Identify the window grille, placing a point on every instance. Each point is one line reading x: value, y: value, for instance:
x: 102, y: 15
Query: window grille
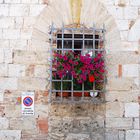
x: 80, y: 40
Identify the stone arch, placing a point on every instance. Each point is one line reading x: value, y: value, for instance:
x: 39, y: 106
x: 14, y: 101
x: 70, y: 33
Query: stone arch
x: 89, y: 12
x: 134, y: 33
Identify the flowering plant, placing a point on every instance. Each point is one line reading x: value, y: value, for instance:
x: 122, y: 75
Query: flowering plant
x: 83, y: 68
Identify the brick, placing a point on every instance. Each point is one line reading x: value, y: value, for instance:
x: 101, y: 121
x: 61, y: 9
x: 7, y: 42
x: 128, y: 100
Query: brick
x: 3, y: 69
x: 135, y: 2
x: 131, y: 110
x: 43, y: 125
x: 4, y: 9
x: 130, y: 12
x: 132, y: 135
x: 4, y: 123
x: 16, y: 70
x: 8, y: 83
x: 12, y: 1
x: 19, y: 10
x: 11, y: 33
x: 10, y: 134
x: 119, y: 70
x: 114, y: 109
x: 6, y: 22
x: 119, y: 123
x: 35, y: 10
x: 131, y: 70
x: 32, y: 84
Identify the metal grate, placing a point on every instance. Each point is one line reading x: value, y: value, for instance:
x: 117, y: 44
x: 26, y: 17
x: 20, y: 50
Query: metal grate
x: 81, y: 40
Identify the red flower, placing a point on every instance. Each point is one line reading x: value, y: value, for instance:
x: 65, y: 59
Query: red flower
x: 91, y: 78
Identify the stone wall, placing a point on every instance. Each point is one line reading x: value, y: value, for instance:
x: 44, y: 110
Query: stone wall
x: 24, y: 53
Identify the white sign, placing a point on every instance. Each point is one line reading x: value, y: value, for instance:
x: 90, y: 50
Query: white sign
x: 27, y: 102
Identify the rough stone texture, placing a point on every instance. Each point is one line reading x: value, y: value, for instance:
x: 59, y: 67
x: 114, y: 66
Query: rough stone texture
x: 10, y: 134
x: 24, y: 63
x: 132, y: 134
x: 132, y: 109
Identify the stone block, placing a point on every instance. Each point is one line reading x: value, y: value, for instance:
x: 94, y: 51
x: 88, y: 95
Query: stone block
x: 19, y: 10
x: 114, y: 109
x: 122, y: 24
x: 29, y: 1
x: 79, y: 136
x: 7, y: 22
x: 1, y: 96
x: 30, y: 57
x: 10, y: 134
x: 18, y: 22
x: 32, y: 83
x: 1, y: 55
x: 122, y: 96
x: 136, y: 123
x: 116, y: 12
x: 8, y: 83
x: 15, y: 70
x: 26, y: 33
x: 4, y: 123
x: 122, y: 135
x: 29, y: 22
x: 130, y: 70
x: 119, y: 123
x: 12, y: 1
x: 111, y: 134
x: 11, y: 34
x: 35, y: 10
x: 8, y: 55
x: 41, y: 71
x: 131, y: 110
x: 130, y: 12
x: 114, y: 58
x: 124, y: 35
x: 133, y: 135
x: 18, y: 44
x: 4, y: 43
x: 4, y: 10
x: 119, y: 84
x: 3, y: 69
x: 43, y: 125
x: 25, y: 123
x: 135, y: 2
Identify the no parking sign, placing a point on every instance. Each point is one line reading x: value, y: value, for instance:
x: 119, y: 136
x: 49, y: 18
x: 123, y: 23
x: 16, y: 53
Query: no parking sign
x: 28, y: 103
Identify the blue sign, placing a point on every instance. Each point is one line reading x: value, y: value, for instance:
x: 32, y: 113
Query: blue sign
x: 27, y: 101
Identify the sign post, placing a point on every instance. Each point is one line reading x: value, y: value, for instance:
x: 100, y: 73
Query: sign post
x: 27, y: 103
